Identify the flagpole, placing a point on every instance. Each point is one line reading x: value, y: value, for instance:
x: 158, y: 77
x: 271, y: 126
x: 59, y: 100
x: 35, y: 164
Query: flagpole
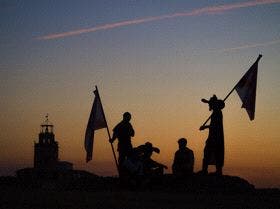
x: 258, y: 59
x: 109, y: 135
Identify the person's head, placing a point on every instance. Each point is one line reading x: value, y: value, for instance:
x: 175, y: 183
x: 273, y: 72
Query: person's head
x: 149, y: 145
x: 182, y: 142
x: 126, y: 116
x: 214, y: 103
x: 148, y: 148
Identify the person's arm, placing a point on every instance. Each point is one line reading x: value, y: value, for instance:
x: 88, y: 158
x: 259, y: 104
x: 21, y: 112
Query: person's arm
x: 174, y: 165
x: 157, y: 150
x: 132, y: 132
x: 192, y: 160
x: 203, y: 127
x: 114, y: 135
x: 113, y: 138
x: 159, y: 164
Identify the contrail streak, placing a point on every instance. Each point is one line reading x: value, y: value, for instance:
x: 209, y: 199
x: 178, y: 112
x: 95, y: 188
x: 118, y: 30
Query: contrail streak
x: 196, y: 12
x: 247, y: 46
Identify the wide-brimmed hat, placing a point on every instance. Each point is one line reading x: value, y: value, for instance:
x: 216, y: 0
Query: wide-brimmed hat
x: 149, y: 146
x: 215, y: 101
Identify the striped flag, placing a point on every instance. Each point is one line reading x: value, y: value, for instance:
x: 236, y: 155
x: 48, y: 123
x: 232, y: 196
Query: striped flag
x: 96, y: 121
x: 246, y: 89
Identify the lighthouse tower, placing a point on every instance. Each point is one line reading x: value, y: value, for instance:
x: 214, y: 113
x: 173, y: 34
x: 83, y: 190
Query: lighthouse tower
x: 46, y: 149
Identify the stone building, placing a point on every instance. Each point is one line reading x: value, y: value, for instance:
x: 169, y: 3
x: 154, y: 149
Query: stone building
x: 46, y: 149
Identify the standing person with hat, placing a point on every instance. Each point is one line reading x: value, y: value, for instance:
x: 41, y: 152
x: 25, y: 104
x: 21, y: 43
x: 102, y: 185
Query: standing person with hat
x: 214, y: 148
x: 183, y: 160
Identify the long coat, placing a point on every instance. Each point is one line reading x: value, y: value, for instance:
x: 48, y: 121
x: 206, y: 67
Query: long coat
x: 214, y: 149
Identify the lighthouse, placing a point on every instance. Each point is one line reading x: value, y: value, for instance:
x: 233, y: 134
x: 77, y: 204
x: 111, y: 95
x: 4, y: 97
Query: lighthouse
x: 46, y: 149
x: 46, y: 161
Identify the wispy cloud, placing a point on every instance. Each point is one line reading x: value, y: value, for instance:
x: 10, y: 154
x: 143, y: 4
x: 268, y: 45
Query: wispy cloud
x: 247, y: 46
x: 196, y: 12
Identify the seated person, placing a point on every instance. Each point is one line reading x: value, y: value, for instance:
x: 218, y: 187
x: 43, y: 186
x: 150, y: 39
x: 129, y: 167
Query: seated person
x: 183, y: 160
x: 150, y: 167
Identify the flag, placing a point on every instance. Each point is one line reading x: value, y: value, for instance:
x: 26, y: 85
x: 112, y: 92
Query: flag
x: 96, y: 121
x: 246, y: 89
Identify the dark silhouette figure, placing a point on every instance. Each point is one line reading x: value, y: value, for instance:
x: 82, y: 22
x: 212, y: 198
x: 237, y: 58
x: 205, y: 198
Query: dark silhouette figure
x: 139, y: 169
x: 214, y: 148
x: 123, y: 132
x: 150, y: 167
x: 183, y: 160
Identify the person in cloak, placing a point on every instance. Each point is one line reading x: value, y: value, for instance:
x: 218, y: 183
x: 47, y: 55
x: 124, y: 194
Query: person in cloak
x: 214, y: 148
x: 123, y: 131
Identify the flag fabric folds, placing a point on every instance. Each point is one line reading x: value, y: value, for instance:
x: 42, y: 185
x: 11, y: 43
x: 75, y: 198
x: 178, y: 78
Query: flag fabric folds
x: 96, y: 121
x: 246, y: 89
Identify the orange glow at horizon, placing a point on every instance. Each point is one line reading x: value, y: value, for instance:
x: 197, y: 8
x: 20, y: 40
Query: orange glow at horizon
x: 246, y: 151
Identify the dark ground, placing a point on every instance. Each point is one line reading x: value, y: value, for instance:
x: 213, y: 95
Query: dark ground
x: 14, y: 198
x: 98, y: 192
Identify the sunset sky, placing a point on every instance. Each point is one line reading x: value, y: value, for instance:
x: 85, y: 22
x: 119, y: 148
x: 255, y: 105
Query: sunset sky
x: 155, y: 59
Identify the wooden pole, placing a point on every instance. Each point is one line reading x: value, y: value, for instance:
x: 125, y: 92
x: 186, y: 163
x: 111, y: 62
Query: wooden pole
x: 109, y: 135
